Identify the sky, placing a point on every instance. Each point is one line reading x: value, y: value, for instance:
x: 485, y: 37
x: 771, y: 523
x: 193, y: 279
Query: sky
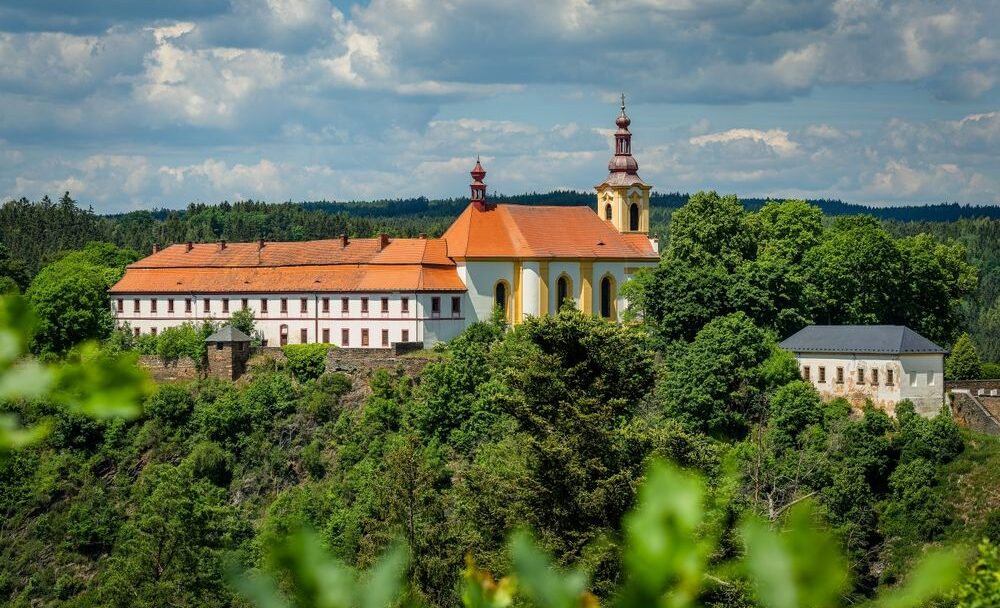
x: 132, y: 105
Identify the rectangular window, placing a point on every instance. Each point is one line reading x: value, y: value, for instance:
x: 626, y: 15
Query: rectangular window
x: 135, y: 332
x: 263, y: 306
x: 930, y: 378
x: 806, y: 375
x: 385, y: 305
x: 364, y: 306
x: 456, y: 306
x: 345, y: 337
x: 284, y: 305
x: 135, y: 305
x: 303, y: 335
x: 822, y: 374
x: 874, y: 376
x: 840, y: 375
x: 364, y: 337
x: 406, y: 335
x: 244, y: 303
x: 326, y: 336
x: 345, y: 305
x: 225, y: 305
x: 187, y: 304
x: 385, y: 337
x: 152, y: 305
x: 405, y: 305
x: 913, y: 378
x: 435, y: 306
x: 889, y: 376
x: 120, y: 305
x: 170, y: 305
x: 326, y: 304
x: 861, y: 375
x: 152, y: 331
x: 303, y: 305
x: 207, y: 304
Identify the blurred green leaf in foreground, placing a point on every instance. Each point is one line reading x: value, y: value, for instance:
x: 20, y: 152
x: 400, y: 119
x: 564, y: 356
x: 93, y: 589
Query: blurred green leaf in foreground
x: 86, y: 380
x: 667, y: 552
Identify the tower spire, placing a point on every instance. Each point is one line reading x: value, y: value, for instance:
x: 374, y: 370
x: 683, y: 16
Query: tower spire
x: 478, y: 188
x: 623, y: 162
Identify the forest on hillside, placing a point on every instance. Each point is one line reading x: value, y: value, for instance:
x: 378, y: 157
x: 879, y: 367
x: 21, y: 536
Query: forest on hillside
x: 523, y: 466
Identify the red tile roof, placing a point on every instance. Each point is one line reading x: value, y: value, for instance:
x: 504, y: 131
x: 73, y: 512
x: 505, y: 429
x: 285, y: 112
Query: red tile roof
x: 522, y: 231
x: 324, y: 266
x: 302, y: 253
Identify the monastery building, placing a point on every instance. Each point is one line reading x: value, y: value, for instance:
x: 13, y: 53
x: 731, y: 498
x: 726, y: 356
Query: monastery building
x: 526, y: 260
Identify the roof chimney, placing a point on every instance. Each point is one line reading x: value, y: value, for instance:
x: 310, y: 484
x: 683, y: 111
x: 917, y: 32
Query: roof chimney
x: 222, y: 244
x: 188, y: 247
x: 343, y: 240
x: 383, y: 241
x: 260, y: 244
x: 156, y: 247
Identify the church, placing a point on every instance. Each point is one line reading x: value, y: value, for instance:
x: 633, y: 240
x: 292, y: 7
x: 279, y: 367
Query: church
x: 375, y: 292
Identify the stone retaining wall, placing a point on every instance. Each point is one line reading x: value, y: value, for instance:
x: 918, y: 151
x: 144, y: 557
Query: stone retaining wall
x: 973, y: 385
x: 976, y: 413
x: 174, y: 371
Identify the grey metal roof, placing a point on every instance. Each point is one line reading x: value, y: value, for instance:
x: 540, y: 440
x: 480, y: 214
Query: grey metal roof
x: 228, y: 334
x: 882, y: 339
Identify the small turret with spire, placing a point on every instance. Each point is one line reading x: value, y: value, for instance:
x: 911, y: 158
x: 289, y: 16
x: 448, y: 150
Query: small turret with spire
x: 478, y: 188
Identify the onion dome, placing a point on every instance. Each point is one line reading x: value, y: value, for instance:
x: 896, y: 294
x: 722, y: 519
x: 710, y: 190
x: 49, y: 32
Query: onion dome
x: 623, y: 161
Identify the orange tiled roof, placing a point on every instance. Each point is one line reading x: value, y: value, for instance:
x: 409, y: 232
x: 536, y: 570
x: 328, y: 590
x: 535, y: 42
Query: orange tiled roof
x: 324, y: 266
x: 303, y: 253
x: 522, y: 231
x: 283, y: 279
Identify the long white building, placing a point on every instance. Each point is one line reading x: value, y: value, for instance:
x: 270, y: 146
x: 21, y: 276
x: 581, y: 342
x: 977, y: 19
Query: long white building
x: 526, y: 260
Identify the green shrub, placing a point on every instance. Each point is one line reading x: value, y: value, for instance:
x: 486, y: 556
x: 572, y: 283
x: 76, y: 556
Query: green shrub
x: 990, y: 371
x: 324, y: 399
x: 171, y: 404
x: 209, y: 461
x: 312, y: 459
x: 963, y: 363
x: 306, y: 361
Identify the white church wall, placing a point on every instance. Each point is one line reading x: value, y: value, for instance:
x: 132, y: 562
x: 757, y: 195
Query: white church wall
x: 480, y: 279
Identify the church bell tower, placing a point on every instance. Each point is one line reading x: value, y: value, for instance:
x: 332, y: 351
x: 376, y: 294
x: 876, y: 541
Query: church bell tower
x: 623, y: 198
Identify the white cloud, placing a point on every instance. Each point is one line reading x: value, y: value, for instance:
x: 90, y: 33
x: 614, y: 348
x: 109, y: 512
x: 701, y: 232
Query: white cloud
x: 776, y: 139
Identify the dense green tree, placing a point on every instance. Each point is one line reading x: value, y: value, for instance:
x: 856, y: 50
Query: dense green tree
x: 711, y: 230
x: 70, y: 296
x: 963, y: 362
x: 717, y: 383
x: 786, y: 230
x: 171, y: 548
x: 856, y: 271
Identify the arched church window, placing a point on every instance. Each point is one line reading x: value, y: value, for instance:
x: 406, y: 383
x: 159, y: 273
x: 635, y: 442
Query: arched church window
x: 607, y: 297
x: 563, y: 290
x: 500, y: 296
x: 633, y: 217
x: 607, y: 212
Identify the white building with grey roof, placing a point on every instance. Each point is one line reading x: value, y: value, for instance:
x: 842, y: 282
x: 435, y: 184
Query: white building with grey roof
x: 881, y: 363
